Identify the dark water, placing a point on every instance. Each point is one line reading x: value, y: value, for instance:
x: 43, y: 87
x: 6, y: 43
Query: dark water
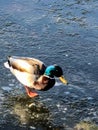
x: 54, y: 31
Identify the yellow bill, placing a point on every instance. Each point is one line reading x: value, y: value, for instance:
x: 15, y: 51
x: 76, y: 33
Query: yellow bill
x: 63, y: 80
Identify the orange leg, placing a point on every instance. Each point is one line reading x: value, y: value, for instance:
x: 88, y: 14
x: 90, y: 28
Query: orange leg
x: 30, y: 93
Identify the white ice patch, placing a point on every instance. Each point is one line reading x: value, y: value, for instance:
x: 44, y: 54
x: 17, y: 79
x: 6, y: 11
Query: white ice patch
x: 7, y: 88
x: 58, y: 83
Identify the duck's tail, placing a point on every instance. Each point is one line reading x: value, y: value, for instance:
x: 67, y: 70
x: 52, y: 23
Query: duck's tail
x: 7, y: 64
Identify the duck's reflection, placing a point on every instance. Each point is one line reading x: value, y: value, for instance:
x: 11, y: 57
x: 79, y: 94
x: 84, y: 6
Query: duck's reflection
x: 30, y: 111
x: 25, y: 113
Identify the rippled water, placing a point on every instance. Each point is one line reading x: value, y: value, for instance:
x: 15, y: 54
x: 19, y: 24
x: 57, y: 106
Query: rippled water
x: 54, y: 31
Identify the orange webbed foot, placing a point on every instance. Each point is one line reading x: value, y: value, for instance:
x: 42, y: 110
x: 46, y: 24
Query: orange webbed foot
x: 30, y: 93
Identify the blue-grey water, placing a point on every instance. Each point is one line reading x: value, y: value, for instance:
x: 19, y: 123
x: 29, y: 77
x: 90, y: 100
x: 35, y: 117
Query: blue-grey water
x: 63, y: 32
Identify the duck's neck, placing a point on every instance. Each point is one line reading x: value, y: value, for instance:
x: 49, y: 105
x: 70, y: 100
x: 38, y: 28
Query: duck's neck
x: 49, y: 71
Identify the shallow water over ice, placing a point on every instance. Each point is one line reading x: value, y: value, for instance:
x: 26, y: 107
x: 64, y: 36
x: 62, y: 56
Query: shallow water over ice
x: 56, y: 32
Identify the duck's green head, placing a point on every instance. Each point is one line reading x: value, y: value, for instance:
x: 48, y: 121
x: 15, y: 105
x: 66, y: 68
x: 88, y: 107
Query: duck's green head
x: 55, y: 70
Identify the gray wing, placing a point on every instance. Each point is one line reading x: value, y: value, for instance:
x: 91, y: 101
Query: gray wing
x: 26, y: 64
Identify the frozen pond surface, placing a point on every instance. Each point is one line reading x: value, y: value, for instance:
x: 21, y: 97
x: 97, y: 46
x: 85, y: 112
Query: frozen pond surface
x: 54, y: 31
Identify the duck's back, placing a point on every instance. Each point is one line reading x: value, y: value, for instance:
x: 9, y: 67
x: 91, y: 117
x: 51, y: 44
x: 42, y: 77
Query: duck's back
x: 26, y: 64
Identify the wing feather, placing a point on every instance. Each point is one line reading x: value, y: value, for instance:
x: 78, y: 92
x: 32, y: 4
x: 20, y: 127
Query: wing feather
x: 26, y: 64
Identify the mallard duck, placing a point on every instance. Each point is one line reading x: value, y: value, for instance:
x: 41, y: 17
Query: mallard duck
x: 33, y: 73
